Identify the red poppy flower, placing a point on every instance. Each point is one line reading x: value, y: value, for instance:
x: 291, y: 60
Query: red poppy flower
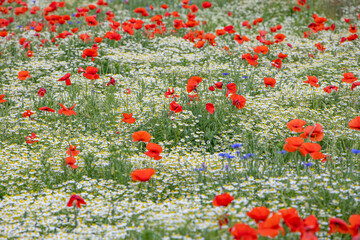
x: 282, y: 56
x: 31, y: 139
x: 349, y: 78
x: 292, y: 144
x: 76, y: 200
x: 355, y: 123
x: 252, y: 60
x: 312, y: 80
x: 128, y: 118
x: 296, y: 125
x: 212, y: 88
x: 112, y: 35
x: 91, y: 20
x: 206, y: 5
x: 276, y: 63
x: 352, y: 28
x: 154, y: 151
x: 71, y: 151
x: 231, y: 89
x: 71, y: 162
x: 292, y: 219
x: 338, y: 225
x: 22, y: 75
x: 259, y: 213
x: 271, y: 226
x: 238, y: 101
x: 316, y: 133
x: 112, y: 82
x: 143, y: 136
x: 142, y: 175
x: 331, y: 88
x: 175, y: 107
x: 320, y: 47
x: 66, y: 78
x: 241, y: 231
x: 269, y: 81
x: 47, y: 109
x: 1, y: 98
x: 141, y: 10
x: 261, y: 49
x: 354, y: 225
x: 354, y: 85
x: 85, y: 37
x: 308, y: 147
x: 28, y: 113
x: 90, y: 52
x: 240, y: 39
x: 210, y: 108
x: 66, y: 111
x: 219, y: 85
x: 279, y: 37
x: 98, y: 39
x: 223, y: 200
x: 170, y: 93
x: 41, y: 92
x: 91, y: 73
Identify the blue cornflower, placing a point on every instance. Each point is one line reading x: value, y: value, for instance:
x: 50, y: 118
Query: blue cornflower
x: 236, y: 145
x: 19, y: 26
x: 78, y: 22
x: 32, y: 28
x: 309, y: 164
x: 355, y: 151
x: 226, y: 155
x: 69, y: 22
x: 282, y: 152
x: 246, y: 156
x: 245, y: 77
x: 73, y: 15
x: 226, y: 74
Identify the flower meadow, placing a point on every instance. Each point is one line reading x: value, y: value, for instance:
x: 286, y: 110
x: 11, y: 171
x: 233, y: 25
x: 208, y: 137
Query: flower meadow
x: 179, y: 119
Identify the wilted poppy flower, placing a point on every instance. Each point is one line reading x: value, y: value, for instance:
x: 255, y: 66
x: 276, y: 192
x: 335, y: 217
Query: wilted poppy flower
x: 312, y: 80
x: 210, y: 108
x: 112, y: 82
x: 47, y: 109
x: 175, y: 107
x: 269, y: 81
x: 315, y: 132
x: 154, y: 151
x: 271, y: 226
x: 223, y: 200
x: 355, y: 123
x: 259, y: 213
x: 338, y: 225
x: 143, y: 136
x: 238, y: 101
x: 66, y: 111
x: 66, y: 78
x: 22, y: 75
x: 128, y: 118
x: 1, y: 98
x: 349, y: 78
x: 331, y: 88
x: 296, y: 125
x: 76, y: 200
x: 292, y: 144
x: 91, y: 73
x: 71, y: 151
x: 242, y: 231
x: 142, y: 175
x: 28, y: 113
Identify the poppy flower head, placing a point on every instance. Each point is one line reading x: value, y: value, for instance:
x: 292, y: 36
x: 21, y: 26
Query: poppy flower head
x: 271, y: 226
x: 71, y: 151
x: 331, y: 88
x: 22, y: 75
x: 355, y: 124
x: 292, y: 144
x: 90, y: 52
x: 291, y: 219
x: 296, y: 125
x: 261, y: 49
x: 238, y: 101
x: 47, y: 109
x: 349, y: 78
x: 67, y: 111
x: 338, y: 225
x: 354, y: 226
x: 259, y: 213
x: 210, y: 108
x: 2, y: 100
x: 154, y: 151
x: 243, y: 231
x: 142, y: 175
x: 219, y: 85
x: 91, y: 73
x: 175, y: 107
x: 76, y: 200
x: 66, y: 78
x: 277, y: 63
x: 314, y: 132
x: 223, y: 200
x: 206, y: 5
x: 269, y: 81
x: 312, y: 80
x: 143, y: 136
x: 41, y: 92
x: 231, y: 89
x: 28, y: 113
x: 309, y: 147
x: 128, y: 118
